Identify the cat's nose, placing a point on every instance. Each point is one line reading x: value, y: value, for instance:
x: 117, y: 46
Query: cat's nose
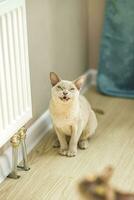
x: 65, y: 93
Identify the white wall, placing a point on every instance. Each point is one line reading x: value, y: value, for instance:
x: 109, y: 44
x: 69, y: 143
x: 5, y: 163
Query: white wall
x: 57, y: 34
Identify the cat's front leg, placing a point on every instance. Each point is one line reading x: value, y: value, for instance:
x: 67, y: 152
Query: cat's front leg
x: 72, y: 151
x: 63, y: 143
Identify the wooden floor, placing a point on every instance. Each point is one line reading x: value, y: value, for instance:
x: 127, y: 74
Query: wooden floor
x: 53, y: 177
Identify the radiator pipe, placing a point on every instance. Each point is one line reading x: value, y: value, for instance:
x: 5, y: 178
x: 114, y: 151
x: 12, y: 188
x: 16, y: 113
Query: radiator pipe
x: 22, y: 135
x: 15, y: 142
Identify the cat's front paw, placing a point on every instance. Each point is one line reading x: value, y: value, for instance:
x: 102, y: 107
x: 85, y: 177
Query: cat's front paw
x: 71, y: 153
x: 63, y: 152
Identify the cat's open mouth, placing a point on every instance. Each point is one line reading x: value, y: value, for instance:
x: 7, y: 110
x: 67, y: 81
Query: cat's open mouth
x: 64, y: 98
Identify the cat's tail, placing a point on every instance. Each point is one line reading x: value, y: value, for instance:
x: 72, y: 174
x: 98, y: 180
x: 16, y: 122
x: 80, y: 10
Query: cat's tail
x: 99, y: 111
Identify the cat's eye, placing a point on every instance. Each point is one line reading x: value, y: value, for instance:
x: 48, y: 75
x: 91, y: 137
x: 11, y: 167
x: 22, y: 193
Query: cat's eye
x: 59, y: 87
x: 72, y: 89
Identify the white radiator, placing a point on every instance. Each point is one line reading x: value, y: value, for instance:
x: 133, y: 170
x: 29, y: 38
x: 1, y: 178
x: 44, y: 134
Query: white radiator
x: 15, y: 92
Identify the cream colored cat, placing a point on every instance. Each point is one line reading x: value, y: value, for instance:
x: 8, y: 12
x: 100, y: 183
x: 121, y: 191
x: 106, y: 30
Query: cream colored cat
x: 71, y: 115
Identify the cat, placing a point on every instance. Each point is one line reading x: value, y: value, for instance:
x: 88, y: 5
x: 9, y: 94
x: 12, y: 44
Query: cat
x: 97, y: 187
x: 71, y: 115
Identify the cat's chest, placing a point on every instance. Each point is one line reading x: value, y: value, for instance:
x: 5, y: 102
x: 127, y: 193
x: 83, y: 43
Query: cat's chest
x: 64, y: 124
x: 64, y: 117
x: 64, y: 121
x: 67, y: 130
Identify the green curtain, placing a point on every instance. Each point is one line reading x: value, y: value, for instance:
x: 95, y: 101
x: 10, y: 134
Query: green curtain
x: 116, y: 65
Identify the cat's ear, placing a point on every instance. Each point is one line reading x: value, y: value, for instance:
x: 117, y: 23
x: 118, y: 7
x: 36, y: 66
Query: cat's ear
x: 54, y: 78
x: 79, y: 82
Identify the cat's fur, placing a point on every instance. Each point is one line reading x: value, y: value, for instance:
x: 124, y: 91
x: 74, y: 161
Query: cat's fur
x: 71, y: 115
x: 97, y: 187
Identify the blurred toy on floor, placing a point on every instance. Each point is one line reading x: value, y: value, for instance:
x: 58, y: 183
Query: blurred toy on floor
x: 97, y: 187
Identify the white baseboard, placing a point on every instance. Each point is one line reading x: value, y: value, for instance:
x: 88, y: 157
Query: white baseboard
x: 36, y: 132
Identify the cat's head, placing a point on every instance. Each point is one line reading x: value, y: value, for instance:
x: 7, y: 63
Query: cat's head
x: 96, y: 187
x: 65, y: 91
